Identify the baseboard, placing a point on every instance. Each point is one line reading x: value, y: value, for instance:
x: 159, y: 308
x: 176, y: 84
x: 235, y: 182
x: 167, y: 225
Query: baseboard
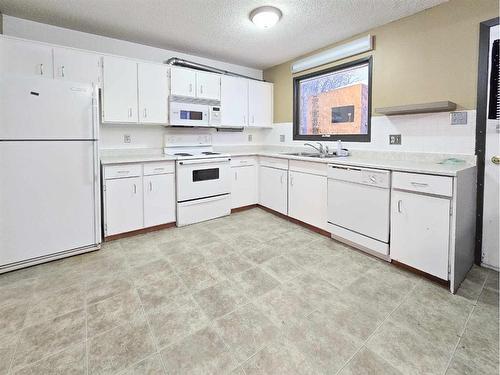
x: 244, y: 208
x: 445, y: 283
x: 138, y: 231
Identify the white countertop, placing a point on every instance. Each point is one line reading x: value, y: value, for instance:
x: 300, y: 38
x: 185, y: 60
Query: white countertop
x: 428, y: 164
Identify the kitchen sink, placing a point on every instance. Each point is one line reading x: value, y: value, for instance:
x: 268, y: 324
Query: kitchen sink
x: 312, y: 155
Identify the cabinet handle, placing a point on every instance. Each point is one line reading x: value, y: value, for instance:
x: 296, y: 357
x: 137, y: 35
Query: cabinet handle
x: 145, y: 112
x: 291, y: 181
x: 190, y: 87
x: 41, y: 69
x: 400, y: 204
x: 150, y: 186
x: 135, y: 189
x: 419, y: 184
x: 62, y: 70
x: 201, y: 89
x: 253, y: 119
x: 244, y: 120
x: 281, y: 179
x: 235, y: 176
x: 130, y: 112
x: 123, y: 172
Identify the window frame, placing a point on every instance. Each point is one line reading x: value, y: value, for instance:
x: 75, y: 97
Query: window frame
x: 333, y: 137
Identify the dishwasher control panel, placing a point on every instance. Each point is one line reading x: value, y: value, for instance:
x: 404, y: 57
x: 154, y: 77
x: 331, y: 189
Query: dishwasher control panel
x: 375, y: 178
x: 365, y: 176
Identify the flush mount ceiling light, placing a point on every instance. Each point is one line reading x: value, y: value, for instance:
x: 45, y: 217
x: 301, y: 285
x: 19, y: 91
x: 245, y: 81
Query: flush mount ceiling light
x: 265, y: 17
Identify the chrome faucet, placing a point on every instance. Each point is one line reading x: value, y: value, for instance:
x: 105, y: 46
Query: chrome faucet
x: 319, y: 148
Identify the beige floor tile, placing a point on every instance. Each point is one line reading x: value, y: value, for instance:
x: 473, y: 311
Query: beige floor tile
x: 282, y: 268
x: 366, y: 362
x: 12, y: 318
x: 51, y: 336
x: 407, y: 351
x: 149, y: 272
x: 57, y: 303
x: 255, y: 282
x: 314, y: 290
x: 201, y: 353
x: 246, y: 330
x: 244, y: 241
x: 201, y: 277
x: 216, y: 250
x: 113, y: 312
x: 149, y: 366
x: 70, y: 361
x: 284, y: 307
x: 492, y: 280
x: 461, y: 366
x: 99, y: 289
x: 340, y: 272
x: 19, y: 292
x: 186, y: 260
x: 168, y: 292
x: 220, y: 299
x: 119, y: 348
x: 232, y: 264
x: 323, y: 343
x: 7, y: 349
x: 170, y: 325
x: 262, y: 253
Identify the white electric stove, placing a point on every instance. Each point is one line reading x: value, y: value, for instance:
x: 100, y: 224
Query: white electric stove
x: 202, y: 180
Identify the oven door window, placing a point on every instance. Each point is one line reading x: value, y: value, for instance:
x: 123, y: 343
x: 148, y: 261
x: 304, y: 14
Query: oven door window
x: 205, y: 174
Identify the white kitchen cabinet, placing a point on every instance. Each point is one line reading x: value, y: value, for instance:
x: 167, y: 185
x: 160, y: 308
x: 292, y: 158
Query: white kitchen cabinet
x: 307, y: 198
x: 420, y: 232
x: 123, y: 205
x: 76, y: 66
x: 260, y: 103
x: 244, y: 187
x: 153, y: 93
x: 208, y: 85
x: 273, y: 188
x: 159, y: 199
x: 119, y: 102
x: 182, y: 82
x: 19, y: 57
x: 234, y: 101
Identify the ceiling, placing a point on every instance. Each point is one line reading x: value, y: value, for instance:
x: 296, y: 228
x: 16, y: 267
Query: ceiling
x: 220, y: 29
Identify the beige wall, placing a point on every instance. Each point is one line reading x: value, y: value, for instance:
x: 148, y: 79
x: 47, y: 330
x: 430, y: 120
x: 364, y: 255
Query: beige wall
x: 427, y: 57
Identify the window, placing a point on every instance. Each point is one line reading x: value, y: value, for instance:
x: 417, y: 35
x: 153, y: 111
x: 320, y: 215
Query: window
x: 334, y: 104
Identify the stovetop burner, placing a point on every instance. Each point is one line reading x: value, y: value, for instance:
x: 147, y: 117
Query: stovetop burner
x: 183, y: 154
x: 210, y: 153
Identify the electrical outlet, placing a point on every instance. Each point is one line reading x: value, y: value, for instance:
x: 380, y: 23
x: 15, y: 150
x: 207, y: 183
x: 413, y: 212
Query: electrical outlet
x: 395, y: 139
x: 127, y: 138
x: 250, y: 137
x: 458, y: 118
x: 282, y: 138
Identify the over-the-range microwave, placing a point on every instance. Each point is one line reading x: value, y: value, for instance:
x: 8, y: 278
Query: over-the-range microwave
x: 186, y: 113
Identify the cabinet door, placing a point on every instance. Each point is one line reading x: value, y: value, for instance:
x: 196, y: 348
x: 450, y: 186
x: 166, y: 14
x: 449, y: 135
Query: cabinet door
x: 208, y: 85
x: 159, y: 199
x: 25, y: 58
x: 153, y: 93
x: 76, y: 66
x: 260, y: 103
x: 244, y: 186
x: 119, y: 90
x: 234, y: 101
x: 307, y: 198
x: 124, y: 206
x: 273, y: 189
x: 420, y: 232
x: 182, y: 82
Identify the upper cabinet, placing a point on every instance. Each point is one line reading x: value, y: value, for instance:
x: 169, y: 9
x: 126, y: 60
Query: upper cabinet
x: 76, y: 66
x: 26, y: 58
x: 260, y: 103
x: 153, y: 93
x: 195, y: 84
x: 119, y: 101
x: 134, y: 92
x: 234, y: 101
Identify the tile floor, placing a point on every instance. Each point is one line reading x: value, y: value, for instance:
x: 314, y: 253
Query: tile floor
x: 246, y: 294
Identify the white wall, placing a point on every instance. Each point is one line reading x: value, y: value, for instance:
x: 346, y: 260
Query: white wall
x: 420, y: 133
x: 22, y: 28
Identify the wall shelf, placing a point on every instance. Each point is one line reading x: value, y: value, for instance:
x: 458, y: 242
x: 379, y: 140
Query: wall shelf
x: 410, y: 109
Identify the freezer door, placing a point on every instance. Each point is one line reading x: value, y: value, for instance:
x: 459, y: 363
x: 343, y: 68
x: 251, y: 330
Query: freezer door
x: 38, y: 108
x: 48, y: 200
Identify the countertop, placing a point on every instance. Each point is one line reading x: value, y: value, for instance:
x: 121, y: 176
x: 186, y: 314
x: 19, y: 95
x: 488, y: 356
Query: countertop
x: 429, y: 164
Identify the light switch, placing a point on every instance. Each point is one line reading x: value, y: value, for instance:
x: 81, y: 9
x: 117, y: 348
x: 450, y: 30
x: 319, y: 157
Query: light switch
x: 127, y: 138
x: 395, y: 139
x: 282, y: 138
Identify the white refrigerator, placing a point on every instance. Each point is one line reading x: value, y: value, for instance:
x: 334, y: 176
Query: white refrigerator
x: 49, y: 171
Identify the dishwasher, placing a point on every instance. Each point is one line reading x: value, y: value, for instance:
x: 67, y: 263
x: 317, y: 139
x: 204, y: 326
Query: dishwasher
x: 359, y: 207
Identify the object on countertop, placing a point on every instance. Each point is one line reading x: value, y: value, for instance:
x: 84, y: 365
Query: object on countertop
x: 451, y: 161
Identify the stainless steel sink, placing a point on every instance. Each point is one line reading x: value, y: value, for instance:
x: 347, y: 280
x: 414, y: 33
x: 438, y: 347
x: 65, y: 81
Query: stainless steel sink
x: 311, y: 155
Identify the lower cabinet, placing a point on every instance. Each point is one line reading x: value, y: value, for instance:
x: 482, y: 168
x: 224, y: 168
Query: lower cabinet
x: 273, y: 189
x: 244, y: 184
x: 138, y: 196
x: 123, y: 205
x: 420, y: 222
x: 159, y: 199
x: 307, y: 198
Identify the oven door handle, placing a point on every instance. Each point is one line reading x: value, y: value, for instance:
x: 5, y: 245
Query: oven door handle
x: 204, y: 161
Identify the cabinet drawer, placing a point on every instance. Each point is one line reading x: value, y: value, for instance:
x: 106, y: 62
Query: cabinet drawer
x: 241, y: 161
x: 122, y: 171
x: 159, y: 168
x: 423, y: 183
x: 274, y: 162
x: 309, y: 167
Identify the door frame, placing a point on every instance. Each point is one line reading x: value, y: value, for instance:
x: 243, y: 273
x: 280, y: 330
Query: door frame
x: 481, y: 118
